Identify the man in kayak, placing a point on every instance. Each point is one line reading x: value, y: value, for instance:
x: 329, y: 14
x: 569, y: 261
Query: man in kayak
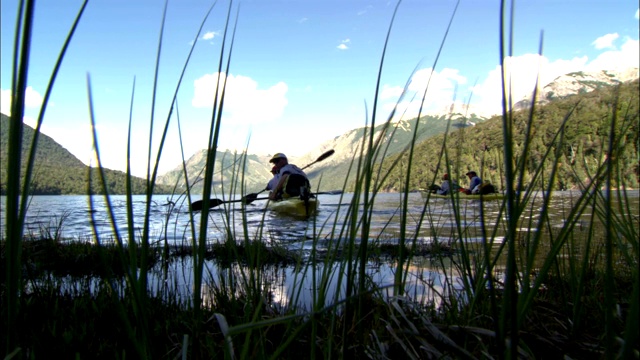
x: 474, y: 185
x: 292, y: 181
x: 444, y: 187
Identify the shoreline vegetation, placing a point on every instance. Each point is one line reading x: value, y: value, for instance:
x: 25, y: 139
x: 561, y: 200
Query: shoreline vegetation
x: 70, y: 286
x: 535, y: 291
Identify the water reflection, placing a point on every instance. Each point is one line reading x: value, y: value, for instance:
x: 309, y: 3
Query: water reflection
x: 438, y: 221
x: 284, y: 287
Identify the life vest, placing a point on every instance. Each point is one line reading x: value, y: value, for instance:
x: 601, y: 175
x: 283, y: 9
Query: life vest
x: 486, y: 188
x: 296, y: 184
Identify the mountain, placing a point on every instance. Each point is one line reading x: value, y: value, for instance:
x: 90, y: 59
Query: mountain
x: 228, y: 166
x: 579, y: 83
x: 580, y: 151
x: 330, y: 174
x: 56, y: 171
x: 333, y: 170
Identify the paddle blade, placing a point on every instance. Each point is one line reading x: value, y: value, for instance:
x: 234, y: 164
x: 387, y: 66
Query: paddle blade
x: 249, y: 198
x: 197, y: 205
x: 325, y: 155
x: 321, y: 157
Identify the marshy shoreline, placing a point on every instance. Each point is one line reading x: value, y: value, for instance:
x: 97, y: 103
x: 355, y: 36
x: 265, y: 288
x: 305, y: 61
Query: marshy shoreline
x: 89, y: 319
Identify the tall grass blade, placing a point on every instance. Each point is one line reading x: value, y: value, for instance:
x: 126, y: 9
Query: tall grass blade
x: 199, y: 244
x: 510, y: 300
x: 14, y: 223
x: 15, y: 215
x: 609, y: 301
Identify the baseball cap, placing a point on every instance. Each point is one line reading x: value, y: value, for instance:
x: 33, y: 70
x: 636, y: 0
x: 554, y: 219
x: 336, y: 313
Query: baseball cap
x: 277, y: 156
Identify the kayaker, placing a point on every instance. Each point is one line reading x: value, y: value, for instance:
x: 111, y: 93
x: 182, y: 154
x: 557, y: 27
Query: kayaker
x: 474, y: 185
x: 292, y: 180
x: 445, y: 186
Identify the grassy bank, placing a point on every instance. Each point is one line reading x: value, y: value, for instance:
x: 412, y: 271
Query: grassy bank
x: 77, y: 302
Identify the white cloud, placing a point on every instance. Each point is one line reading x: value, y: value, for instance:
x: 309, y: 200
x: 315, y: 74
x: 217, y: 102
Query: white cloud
x: 244, y: 102
x: 521, y: 73
x: 303, y: 20
x: 78, y: 139
x: 524, y: 69
x: 441, y: 91
x: 390, y: 92
x: 605, y: 42
x: 210, y: 35
x: 33, y: 99
x: 637, y: 14
x: 343, y: 44
x: 621, y: 59
x: 444, y: 80
x: 114, y: 157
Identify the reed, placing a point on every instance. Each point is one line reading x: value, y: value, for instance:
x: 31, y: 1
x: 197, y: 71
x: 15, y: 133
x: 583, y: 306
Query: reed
x: 515, y: 293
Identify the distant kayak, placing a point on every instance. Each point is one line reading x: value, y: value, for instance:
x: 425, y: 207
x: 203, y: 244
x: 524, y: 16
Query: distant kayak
x: 294, y: 207
x: 461, y: 196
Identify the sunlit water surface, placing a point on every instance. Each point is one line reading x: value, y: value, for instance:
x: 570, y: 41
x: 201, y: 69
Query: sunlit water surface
x: 72, y: 217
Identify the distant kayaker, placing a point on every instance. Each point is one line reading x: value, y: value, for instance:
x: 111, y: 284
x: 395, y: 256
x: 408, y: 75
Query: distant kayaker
x: 292, y: 180
x: 474, y: 185
x: 445, y: 187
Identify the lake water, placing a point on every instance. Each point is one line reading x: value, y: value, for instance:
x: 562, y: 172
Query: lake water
x: 70, y: 217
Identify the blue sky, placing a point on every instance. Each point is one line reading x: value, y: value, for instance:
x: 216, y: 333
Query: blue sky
x: 302, y: 71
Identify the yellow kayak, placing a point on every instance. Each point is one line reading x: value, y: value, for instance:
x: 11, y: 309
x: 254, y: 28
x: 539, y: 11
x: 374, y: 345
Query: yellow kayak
x: 294, y: 206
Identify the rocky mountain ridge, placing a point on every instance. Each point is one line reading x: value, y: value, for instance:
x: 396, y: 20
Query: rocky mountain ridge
x: 578, y: 83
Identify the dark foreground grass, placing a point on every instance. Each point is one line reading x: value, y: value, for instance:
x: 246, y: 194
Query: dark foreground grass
x: 84, y: 320
x: 90, y: 327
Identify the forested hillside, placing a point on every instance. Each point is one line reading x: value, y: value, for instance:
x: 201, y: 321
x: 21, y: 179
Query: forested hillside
x: 57, y: 171
x: 330, y: 174
x: 581, y: 149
